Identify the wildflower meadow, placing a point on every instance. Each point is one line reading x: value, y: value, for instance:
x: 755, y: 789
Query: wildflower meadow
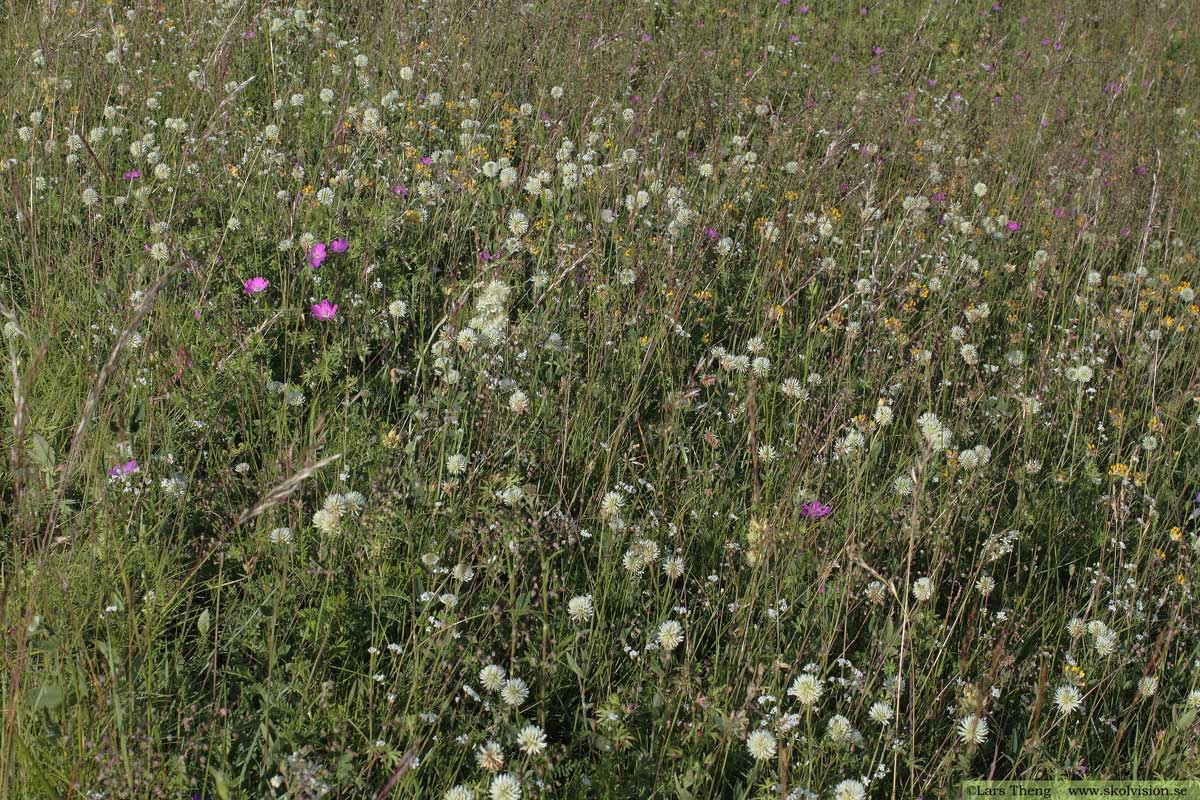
x: 673, y: 399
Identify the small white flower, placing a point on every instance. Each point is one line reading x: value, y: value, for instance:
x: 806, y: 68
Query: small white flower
x: 611, y: 504
x: 518, y: 402
x: 849, y: 790
x: 1080, y: 374
x: 839, y: 730
x: 492, y: 677
x: 518, y: 223
x: 1068, y: 699
x: 883, y: 415
x: 580, y: 608
x: 670, y: 635
x: 881, y: 713
x: 456, y: 464
x: 531, y: 740
x: 973, y: 729
x: 514, y: 692
x: 325, y: 521
x: 761, y: 745
x: 807, y: 689
x: 505, y: 787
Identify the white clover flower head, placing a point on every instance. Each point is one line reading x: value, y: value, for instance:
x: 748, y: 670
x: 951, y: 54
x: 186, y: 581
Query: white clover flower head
x: 669, y: 636
x: 326, y: 522
x: 761, y: 745
x: 839, y: 729
x: 490, y: 757
x: 973, y: 729
x: 505, y: 787
x: 518, y: 223
x: 1080, y: 374
x: 531, y: 740
x: 580, y: 608
x: 514, y: 692
x: 807, y: 689
x: 518, y: 402
x: 881, y: 713
x: 492, y: 677
x: 849, y: 789
x: 611, y: 504
x: 1067, y: 699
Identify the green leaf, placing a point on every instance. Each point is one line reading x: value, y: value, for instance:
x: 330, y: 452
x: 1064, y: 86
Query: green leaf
x: 47, y: 697
x: 220, y: 780
x: 573, y: 665
x: 106, y: 650
x: 203, y: 622
x: 41, y: 452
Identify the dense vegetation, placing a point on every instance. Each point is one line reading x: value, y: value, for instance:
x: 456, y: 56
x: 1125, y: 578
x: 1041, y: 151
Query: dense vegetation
x: 631, y: 399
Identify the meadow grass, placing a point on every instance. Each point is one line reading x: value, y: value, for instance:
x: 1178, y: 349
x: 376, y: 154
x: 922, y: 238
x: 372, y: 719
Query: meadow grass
x: 632, y: 399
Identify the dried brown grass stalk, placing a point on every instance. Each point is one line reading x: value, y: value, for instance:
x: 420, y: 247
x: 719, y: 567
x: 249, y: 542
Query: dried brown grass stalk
x: 283, y: 491
x: 98, y: 387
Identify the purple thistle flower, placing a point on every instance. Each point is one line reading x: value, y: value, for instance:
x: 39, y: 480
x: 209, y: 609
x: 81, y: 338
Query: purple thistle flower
x: 815, y: 510
x: 128, y: 468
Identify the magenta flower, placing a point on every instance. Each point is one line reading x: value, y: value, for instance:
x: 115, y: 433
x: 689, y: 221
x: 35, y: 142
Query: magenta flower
x: 1013, y: 225
x: 255, y: 285
x: 400, y: 190
x: 128, y: 468
x: 324, y: 310
x: 339, y: 245
x: 815, y: 510
x: 316, y: 255
x: 133, y: 174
